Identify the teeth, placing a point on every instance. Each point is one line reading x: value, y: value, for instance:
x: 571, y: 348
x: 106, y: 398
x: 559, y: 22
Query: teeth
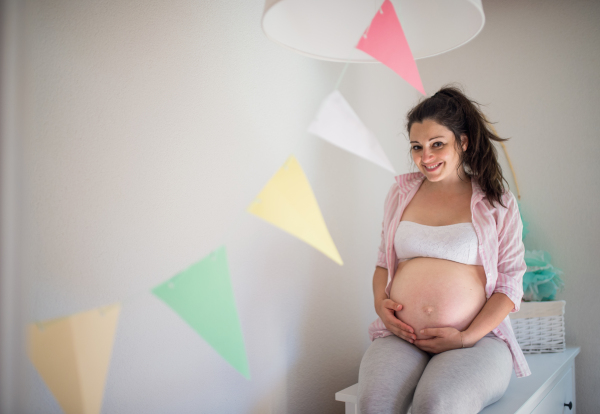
x: 431, y: 168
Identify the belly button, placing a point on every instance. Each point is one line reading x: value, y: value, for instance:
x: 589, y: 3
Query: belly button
x: 428, y: 309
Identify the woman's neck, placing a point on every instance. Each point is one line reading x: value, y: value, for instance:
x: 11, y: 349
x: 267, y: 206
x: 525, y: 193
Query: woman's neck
x: 450, y: 185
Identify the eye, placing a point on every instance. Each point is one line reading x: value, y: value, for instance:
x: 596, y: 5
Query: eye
x: 438, y: 146
x: 416, y: 147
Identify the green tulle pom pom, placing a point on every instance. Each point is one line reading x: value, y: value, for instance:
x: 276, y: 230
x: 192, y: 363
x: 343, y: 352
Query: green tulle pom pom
x: 542, y: 281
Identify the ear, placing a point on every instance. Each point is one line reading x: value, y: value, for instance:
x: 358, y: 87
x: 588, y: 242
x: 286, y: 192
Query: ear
x: 464, y: 142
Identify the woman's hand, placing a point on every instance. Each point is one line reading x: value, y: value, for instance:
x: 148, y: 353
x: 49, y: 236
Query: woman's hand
x: 385, y: 310
x: 444, y: 339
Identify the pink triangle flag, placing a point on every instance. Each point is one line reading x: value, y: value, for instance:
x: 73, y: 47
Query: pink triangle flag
x: 384, y: 40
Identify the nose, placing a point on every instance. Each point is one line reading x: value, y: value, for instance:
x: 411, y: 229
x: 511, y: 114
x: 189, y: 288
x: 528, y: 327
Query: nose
x: 427, y: 155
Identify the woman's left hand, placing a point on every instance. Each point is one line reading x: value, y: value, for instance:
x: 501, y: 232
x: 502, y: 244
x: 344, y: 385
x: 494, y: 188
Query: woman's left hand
x: 444, y: 339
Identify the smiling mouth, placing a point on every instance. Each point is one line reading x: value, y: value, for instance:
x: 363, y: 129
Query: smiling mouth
x: 433, y: 167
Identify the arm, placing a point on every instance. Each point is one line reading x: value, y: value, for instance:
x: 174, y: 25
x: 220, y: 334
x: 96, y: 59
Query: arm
x: 497, y: 307
x: 379, y: 283
x: 384, y: 306
x: 511, y: 253
x: 511, y: 267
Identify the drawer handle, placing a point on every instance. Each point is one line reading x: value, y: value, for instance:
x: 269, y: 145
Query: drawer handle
x: 570, y: 405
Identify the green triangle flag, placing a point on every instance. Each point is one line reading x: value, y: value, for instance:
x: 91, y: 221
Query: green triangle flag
x: 202, y: 295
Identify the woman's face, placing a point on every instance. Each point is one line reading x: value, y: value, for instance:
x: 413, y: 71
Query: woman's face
x: 433, y: 150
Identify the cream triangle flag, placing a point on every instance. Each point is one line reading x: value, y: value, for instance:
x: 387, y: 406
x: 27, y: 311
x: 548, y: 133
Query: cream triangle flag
x: 72, y: 356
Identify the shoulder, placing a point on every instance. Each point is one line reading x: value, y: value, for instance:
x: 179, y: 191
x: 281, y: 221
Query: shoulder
x: 501, y: 213
x: 510, y: 202
x: 402, y: 184
x: 507, y: 198
x: 408, y: 180
x: 508, y: 215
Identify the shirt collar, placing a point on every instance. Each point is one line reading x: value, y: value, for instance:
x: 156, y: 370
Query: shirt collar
x: 407, y: 181
x: 478, y: 193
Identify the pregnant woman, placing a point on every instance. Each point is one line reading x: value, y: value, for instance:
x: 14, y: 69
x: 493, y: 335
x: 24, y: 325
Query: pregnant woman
x: 449, y: 271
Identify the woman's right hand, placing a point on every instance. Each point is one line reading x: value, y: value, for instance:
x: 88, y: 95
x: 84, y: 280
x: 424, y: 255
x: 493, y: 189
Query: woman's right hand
x: 386, y: 310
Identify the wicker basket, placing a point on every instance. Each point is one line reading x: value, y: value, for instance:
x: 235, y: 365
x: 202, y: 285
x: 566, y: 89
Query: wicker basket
x: 540, y: 326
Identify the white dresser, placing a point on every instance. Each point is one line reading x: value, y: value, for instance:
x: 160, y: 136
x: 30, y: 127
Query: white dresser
x: 548, y: 390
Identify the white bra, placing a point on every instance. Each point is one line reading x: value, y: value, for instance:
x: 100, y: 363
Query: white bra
x: 456, y: 242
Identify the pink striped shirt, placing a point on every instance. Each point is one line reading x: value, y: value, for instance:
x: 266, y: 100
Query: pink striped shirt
x: 499, y: 232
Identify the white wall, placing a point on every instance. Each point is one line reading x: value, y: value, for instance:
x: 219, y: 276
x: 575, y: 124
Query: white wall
x: 150, y: 126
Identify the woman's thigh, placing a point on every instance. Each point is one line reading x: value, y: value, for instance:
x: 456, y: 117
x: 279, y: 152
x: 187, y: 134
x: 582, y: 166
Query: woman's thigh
x: 464, y: 380
x: 388, y: 375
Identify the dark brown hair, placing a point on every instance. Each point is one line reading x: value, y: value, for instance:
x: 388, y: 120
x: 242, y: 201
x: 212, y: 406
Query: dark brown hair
x: 451, y: 108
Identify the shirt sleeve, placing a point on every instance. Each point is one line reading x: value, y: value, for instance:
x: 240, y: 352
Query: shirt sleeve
x: 387, y: 207
x: 511, y: 253
x: 381, y: 262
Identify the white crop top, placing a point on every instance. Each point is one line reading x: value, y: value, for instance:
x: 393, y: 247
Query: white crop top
x: 456, y: 242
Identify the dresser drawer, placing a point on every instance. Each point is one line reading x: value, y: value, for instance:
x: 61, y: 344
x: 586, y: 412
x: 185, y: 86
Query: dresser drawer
x: 554, y: 402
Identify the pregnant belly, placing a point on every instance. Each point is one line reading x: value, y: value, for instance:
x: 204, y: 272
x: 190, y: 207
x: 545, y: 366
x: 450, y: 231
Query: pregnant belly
x: 437, y: 293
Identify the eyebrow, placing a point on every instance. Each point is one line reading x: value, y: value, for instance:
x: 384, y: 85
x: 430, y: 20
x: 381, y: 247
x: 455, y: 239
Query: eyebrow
x: 439, y: 136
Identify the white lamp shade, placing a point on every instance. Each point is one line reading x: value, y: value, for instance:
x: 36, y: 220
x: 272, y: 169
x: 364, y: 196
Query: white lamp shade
x: 330, y: 29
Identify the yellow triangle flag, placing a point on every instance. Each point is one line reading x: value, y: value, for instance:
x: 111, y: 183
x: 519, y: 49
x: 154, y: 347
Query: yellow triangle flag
x: 72, y: 355
x: 288, y: 202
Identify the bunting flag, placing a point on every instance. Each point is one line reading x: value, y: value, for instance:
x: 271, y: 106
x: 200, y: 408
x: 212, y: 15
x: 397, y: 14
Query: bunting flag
x: 384, y: 40
x: 72, y: 356
x: 337, y: 123
x: 288, y: 202
x: 202, y: 296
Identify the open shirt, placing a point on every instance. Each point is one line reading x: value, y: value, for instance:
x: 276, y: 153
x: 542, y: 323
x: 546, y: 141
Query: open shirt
x: 499, y: 232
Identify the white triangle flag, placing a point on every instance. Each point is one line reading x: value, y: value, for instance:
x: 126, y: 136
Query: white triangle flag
x: 337, y: 123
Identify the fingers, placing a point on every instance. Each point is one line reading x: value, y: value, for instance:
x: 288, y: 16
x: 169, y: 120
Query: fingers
x: 444, y: 339
x: 390, y: 304
x: 397, y: 323
x: 399, y: 328
x: 425, y: 345
x: 408, y: 337
x: 429, y: 345
x: 432, y: 332
x: 404, y: 326
x: 393, y: 306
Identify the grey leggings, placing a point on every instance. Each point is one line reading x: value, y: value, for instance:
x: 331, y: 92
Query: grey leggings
x: 393, y: 373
